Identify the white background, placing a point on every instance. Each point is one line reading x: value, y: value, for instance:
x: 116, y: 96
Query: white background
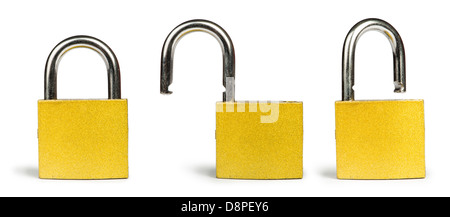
x: 285, y: 50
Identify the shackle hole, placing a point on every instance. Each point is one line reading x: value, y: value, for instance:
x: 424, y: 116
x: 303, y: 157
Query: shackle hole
x: 374, y: 64
x: 197, y: 60
x: 81, y: 75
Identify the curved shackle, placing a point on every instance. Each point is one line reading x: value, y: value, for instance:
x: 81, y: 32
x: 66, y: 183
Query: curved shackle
x: 348, y: 55
x: 112, y: 65
x: 227, y: 52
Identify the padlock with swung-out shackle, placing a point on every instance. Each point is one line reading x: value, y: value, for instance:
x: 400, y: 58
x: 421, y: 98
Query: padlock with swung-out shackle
x: 250, y: 143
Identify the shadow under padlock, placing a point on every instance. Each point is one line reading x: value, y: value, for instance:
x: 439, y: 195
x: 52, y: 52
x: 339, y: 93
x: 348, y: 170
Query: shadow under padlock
x: 379, y: 139
x: 254, y: 140
x: 83, y: 139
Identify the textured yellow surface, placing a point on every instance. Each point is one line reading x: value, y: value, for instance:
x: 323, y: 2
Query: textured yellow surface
x: 83, y: 139
x: 380, y: 139
x: 249, y: 149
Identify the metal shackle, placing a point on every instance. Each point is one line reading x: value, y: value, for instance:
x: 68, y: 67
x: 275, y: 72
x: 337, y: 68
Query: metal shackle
x: 227, y: 52
x: 348, y: 55
x: 112, y: 65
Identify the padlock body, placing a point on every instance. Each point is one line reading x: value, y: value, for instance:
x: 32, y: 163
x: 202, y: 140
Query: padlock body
x: 83, y: 139
x: 380, y: 139
x: 255, y: 143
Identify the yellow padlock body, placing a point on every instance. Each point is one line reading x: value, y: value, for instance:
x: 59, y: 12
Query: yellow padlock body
x: 255, y: 144
x: 380, y: 139
x: 83, y: 139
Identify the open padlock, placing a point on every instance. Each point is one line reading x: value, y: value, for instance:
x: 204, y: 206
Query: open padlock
x: 250, y: 143
x: 378, y: 139
x: 83, y: 139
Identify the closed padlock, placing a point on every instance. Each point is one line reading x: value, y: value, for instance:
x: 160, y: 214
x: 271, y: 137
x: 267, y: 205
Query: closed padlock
x: 253, y: 140
x: 83, y: 139
x: 379, y: 139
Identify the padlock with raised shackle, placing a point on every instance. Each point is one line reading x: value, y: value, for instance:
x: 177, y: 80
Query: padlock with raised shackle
x: 378, y: 139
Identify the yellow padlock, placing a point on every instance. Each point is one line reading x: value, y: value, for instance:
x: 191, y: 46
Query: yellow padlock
x: 253, y: 140
x: 378, y: 139
x: 83, y: 139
